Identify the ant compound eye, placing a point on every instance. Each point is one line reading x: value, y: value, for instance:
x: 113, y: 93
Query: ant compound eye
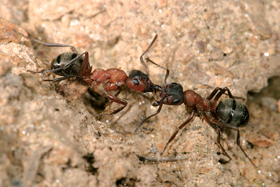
x: 176, y: 101
x: 135, y: 81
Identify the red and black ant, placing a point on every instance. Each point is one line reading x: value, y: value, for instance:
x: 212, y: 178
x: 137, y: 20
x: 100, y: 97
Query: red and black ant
x: 227, y: 113
x: 75, y: 65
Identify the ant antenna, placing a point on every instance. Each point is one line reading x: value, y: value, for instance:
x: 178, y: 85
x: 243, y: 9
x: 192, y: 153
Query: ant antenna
x: 167, y: 70
x: 141, y: 57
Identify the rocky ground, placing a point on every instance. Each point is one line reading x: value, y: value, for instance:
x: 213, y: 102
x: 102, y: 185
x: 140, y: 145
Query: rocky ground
x: 50, y: 138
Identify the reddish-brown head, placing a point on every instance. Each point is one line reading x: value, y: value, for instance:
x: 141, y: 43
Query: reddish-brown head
x: 139, y: 82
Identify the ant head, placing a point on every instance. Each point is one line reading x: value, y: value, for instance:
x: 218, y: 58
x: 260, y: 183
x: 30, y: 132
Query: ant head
x: 173, y: 94
x: 139, y: 82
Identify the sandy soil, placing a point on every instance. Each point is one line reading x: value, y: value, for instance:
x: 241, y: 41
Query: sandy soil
x: 51, y: 139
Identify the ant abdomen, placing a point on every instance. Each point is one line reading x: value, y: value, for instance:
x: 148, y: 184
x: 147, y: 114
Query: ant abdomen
x: 61, y: 60
x: 232, y: 112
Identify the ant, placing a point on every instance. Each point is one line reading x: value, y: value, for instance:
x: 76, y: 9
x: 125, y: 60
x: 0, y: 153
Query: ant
x: 75, y: 65
x: 227, y: 113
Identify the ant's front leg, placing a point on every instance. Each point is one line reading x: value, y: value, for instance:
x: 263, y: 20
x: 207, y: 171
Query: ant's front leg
x: 160, y: 104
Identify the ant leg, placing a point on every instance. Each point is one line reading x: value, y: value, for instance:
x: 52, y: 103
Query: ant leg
x: 178, y: 129
x: 213, y: 123
x: 48, y: 71
x: 218, y: 131
x: 238, y: 143
x: 167, y: 70
x: 141, y: 57
x: 158, y: 111
x: 220, y: 91
x: 116, y: 100
x: 230, y: 95
x: 60, y: 79
x: 49, y: 44
x: 218, y: 123
x: 54, y: 80
x: 213, y: 93
x: 119, y: 91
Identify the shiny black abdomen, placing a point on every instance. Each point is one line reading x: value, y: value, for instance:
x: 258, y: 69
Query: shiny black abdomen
x: 232, y: 112
x: 62, y: 59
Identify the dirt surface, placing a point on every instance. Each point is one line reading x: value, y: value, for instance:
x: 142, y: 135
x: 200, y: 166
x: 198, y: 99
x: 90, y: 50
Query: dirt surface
x: 49, y: 139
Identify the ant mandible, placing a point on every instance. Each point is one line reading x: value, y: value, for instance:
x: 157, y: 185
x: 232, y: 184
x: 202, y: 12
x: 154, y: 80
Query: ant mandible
x: 227, y: 113
x: 75, y: 65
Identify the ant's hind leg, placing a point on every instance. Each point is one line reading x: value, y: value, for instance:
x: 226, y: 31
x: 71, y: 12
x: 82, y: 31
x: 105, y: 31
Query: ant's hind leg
x: 218, y: 131
x: 223, y: 161
x: 114, y: 98
x: 116, y: 95
x: 220, y: 91
x: 238, y: 143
